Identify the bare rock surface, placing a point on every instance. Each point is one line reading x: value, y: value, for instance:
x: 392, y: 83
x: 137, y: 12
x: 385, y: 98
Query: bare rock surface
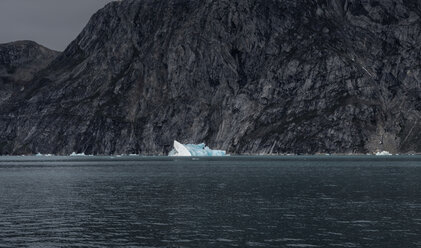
x: 248, y: 76
x: 19, y: 62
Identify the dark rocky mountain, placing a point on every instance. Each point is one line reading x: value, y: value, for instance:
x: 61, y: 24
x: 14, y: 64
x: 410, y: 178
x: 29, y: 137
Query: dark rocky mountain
x: 19, y: 62
x: 249, y: 76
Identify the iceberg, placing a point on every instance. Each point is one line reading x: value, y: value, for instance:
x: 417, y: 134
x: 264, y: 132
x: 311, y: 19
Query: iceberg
x: 43, y: 155
x: 383, y: 153
x: 191, y: 150
x: 74, y: 154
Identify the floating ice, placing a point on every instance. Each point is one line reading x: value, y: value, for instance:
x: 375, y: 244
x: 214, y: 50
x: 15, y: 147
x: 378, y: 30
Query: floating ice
x: 43, y: 155
x: 194, y: 150
x: 383, y: 153
x: 74, y: 154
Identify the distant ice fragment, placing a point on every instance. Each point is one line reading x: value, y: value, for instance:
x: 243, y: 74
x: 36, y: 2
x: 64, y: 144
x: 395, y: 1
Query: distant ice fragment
x: 43, y: 155
x: 77, y: 154
x: 383, y: 153
x: 190, y: 150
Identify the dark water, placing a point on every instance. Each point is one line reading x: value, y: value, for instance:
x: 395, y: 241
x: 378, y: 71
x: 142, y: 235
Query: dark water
x: 237, y: 202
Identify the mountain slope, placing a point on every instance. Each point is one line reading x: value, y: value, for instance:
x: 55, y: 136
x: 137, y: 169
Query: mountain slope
x: 19, y: 62
x: 249, y: 76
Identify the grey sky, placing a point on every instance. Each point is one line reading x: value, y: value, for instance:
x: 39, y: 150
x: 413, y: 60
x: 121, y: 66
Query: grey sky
x: 52, y: 23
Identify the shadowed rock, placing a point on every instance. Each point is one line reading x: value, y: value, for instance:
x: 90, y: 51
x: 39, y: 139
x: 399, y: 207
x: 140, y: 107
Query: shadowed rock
x: 246, y: 76
x: 19, y: 62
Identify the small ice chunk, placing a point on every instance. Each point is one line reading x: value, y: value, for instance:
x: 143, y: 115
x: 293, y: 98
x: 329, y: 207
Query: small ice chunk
x: 43, y: 155
x: 77, y: 154
x: 190, y: 150
x: 383, y: 153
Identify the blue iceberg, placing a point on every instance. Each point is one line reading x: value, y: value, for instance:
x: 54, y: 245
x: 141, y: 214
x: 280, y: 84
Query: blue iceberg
x: 190, y: 150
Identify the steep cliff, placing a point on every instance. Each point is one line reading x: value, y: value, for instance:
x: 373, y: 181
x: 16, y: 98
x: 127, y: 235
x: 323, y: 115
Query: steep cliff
x: 248, y: 76
x: 19, y: 62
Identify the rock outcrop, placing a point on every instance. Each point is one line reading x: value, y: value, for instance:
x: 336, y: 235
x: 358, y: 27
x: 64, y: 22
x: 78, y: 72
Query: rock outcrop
x: 19, y: 62
x: 246, y: 76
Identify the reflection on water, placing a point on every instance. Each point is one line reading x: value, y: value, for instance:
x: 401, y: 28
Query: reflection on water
x: 221, y: 203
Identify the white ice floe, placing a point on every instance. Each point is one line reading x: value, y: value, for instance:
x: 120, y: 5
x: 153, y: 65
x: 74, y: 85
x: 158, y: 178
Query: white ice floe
x: 43, y: 155
x: 383, y: 153
x: 194, y: 150
x: 77, y: 154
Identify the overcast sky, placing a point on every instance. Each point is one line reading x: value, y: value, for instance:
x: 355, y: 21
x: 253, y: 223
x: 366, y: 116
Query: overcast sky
x: 52, y: 23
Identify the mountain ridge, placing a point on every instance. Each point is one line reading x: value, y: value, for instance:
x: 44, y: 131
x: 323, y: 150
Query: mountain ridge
x: 253, y: 76
x: 19, y: 62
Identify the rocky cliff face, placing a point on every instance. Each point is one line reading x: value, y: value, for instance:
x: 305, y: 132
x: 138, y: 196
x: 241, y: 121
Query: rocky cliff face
x: 249, y: 76
x: 19, y: 62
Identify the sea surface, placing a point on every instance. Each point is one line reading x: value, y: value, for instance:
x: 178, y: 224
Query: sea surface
x: 319, y: 201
